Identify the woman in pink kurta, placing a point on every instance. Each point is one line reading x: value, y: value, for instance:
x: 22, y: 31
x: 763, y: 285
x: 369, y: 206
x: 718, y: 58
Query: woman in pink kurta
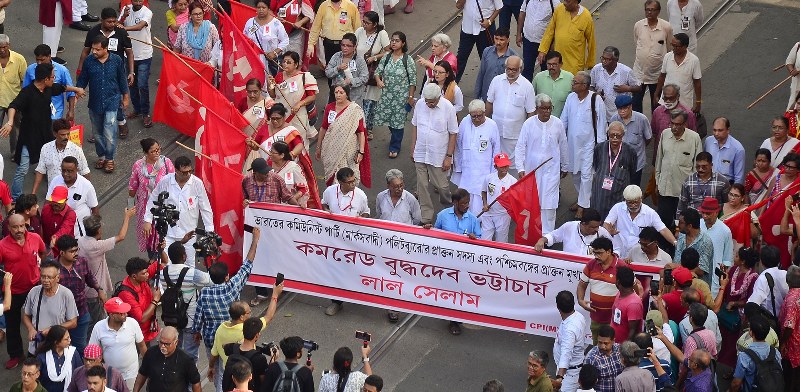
x: 146, y: 173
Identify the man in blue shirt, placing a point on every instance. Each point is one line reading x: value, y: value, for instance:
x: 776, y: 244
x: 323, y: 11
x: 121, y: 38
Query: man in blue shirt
x: 44, y: 55
x: 745, y: 373
x: 493, y: 62
x: 726, y: 152
x: 106, y: 74
x: 457, y: 219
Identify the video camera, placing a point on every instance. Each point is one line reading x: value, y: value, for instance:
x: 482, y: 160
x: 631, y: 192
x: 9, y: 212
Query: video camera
x: 310, y: 346
x: 268, y: 349
x: 207, y: 244
x: 164, y: 215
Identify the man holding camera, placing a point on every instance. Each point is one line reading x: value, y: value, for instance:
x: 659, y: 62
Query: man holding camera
x: 292, y: 348
x: 633, y: 378
x: 188, y: 196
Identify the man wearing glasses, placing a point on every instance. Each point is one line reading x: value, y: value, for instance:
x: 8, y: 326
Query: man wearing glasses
x: 30, y: 377
x: 555, y: 82
x: 509, y: 102
x: 628, y: 219
x: 188, y: 194
x: 167, y: 368
x: 614, y: 165
x: 117, y: 339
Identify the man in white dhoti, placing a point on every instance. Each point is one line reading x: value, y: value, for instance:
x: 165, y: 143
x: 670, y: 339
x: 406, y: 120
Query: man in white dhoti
x: 793, y: 66
x: 477, y: 143
x: 584, y: 118
x: 542, y: 137
x: 509, y: 102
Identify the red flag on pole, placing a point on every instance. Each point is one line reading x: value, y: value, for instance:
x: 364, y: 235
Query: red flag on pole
x: 220, y: 140
x: 174, y: 107
x: 216, y: 102
x: 770, y: 222
x: 739, y: 224
x: 521, y: 200
x: 241, y: 13
x: 241, y: 61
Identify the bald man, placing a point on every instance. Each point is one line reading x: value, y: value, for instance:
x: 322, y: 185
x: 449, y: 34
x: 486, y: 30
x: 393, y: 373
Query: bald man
x: 167, y: 358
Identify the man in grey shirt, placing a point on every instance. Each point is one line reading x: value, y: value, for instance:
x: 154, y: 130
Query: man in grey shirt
x: 48, y: 304
x: 396, y: 204
x: 633, y: 378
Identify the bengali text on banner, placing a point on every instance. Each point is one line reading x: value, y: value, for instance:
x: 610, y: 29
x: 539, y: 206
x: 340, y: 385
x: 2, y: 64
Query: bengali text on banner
x: 411, y: 269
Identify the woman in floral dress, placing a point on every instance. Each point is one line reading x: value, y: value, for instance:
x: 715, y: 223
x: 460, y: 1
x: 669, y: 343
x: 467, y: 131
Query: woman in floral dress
x: 397, y: 78
x: 146, y: 173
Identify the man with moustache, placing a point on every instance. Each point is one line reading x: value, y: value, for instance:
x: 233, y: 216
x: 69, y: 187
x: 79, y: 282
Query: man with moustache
x: 167, y: 358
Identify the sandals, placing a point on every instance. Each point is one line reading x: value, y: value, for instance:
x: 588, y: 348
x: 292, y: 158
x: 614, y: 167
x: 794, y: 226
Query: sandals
x: 392, y: 154
x: 123, y: 131
x: 257, y: 300
x: 148, y: 121
x: 109, y: 167
x: 370, y: 135
x: 100, y: 164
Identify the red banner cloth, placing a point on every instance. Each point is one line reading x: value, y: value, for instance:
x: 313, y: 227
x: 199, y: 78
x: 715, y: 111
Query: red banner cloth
x: 225, y: 109
x: 174, y: 107
x: 241, y: 61
x: 739, y: 224
x: 521, y: 200
x: 241, y: 13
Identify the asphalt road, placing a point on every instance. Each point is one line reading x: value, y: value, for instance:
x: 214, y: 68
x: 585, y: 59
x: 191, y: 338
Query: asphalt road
x: 418, y: 354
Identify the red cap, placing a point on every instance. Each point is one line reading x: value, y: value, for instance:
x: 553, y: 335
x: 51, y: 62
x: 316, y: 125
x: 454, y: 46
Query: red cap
x: 501, y: 160
x: 116, y: 305
x: 59, y: 194
x: 709, y: 205
x: 682, y: 275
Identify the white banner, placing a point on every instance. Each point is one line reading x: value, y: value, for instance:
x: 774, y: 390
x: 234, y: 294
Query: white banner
x: 407, y: 268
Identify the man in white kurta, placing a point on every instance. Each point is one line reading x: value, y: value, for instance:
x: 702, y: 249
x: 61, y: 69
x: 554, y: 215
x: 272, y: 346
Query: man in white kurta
x: 583, y: 134
x: 543, y: 137
x: 509, y: 102
x: 793, y: 66
x: 478, y: 141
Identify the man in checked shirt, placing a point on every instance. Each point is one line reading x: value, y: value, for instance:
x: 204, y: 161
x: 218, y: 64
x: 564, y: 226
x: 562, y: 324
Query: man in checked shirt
x: 606, y: 358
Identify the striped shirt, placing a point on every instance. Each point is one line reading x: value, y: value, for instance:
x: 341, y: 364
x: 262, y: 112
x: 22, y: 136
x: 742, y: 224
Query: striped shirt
x: 602, y: 288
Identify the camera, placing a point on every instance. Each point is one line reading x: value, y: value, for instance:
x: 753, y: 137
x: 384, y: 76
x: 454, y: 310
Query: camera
x: 650, y: 327
x: 310, y: 345
x: 269, y: 349
x: 207, y: 243
x: 164, y: 215
x: 361, y: 335
x: 668, y: 279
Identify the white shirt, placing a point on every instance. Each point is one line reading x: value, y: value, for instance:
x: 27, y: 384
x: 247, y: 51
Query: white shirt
x: 474, y: 154
x: 662, y: 352
x: 537, y: 142
x: 780, y: 153
x: 494, y: 186
x: 50, y: 159
x: 537, y: 15
x: 577, y: 119
x: 471, y: 19
x: 353, y: 203
x: 605, y: 82
x: 433, y: 128
x: 683, y: 75
x: 141, y: 51
x: 119, y: 347
x: 638, y: 257
x: 268, y: 37
x: 511, y: 103
x: 629, y: 230
x: 574, y: 242
x: 81, y: 198
x: 569, y: 343
x: 761, y: 292
x: 406, y: 210
x: 686, y: 20
x: 191, y: 202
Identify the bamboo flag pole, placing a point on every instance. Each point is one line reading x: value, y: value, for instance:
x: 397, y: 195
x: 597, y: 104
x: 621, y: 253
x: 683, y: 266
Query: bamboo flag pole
x: 533, y: 171
x: 194, y: 151
x: 167, y: 48
x: 769, y: 92
x: 778, y: 67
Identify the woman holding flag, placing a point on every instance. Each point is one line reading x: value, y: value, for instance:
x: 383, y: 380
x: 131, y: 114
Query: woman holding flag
x: 296, y: 16
x: 296, y: 90
x: 255, y: 110
x: 268, y: 34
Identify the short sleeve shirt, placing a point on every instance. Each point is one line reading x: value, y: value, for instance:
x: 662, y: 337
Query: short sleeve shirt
x: 168, y: 374
x: 625, y: 310
x: 141, y: 51
x: 54, y: 310
x: 118, y: 41
x: 602, y: 288
x: 22, y: 261
x: 351, y: 204
x: 119, y: 347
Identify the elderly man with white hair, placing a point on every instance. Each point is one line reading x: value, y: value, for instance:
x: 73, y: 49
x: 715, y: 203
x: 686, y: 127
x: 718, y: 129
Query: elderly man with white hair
x: 584, y: 118
x: 614, y: 165
x: 434, y: 141
x: 542, y: 137
x: 396, y: 204
x: 477, y: 143
x: 627, y: 218
x: 510, y: 100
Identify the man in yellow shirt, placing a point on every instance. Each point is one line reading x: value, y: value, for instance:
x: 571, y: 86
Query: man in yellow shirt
x: 334, y: 19
x: 14, y: 67
x: 570, y: 20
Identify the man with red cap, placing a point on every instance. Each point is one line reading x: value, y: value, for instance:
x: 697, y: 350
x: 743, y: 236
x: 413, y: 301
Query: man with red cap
x: 496, y: 220
x: 57, y: 217
x: 119, y: 336
x: 721, y: 239
x: 93, y: 356
x: 672, y: 304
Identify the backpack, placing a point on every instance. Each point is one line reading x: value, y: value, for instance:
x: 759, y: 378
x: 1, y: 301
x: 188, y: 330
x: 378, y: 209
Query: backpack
x: 288, y: 381
x: 698, y: 341
x: 235, y: 355
x: 173, y: 306
x: 769, y: 374
x: 119, y: 287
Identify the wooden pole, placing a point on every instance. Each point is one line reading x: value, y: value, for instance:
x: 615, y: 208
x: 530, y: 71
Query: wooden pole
x: 165, y: 47
x: 533, y: 171
x: 194, y: 151
x: 778, y: 67
x: 769, y: 92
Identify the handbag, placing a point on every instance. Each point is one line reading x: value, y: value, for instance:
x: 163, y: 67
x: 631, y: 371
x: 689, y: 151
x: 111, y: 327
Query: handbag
x: 371, y: 67
x: 729, y: 319
x: 311, y: 108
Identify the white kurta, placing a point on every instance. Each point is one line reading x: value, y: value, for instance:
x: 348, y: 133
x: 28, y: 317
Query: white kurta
x: 577, y: 119
x: 537, y: 142
x: 474, y: 154
x: 793, y: 58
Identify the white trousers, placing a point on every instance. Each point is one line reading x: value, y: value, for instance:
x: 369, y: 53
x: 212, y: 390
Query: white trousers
x: 548, y: 220
x: 79, y: 8
x: 508, y: 146
x: 583, y: 184
x: 476, y: 205
x: 570, y: 381
x: 495, y: 226
x: 52, y: 35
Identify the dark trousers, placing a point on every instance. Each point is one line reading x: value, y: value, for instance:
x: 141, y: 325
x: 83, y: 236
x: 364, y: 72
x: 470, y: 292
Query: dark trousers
x: 13, y: 322
x: 667, y: 206
x: 638, y: 98
x: 530, y: 50
x: 330, y: 47
x: 510, y: 7
x: 637, y: 178
x: 467, y: 41
x: 791, y: 376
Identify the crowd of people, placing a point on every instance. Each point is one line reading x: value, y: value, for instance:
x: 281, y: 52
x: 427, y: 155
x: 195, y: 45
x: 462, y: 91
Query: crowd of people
x: 546, y: 107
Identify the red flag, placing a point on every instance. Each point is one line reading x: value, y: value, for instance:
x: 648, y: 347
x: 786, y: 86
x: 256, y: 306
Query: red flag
x: 241, y: 61
x: 241, y: 13
x: 521, y: 200
x: 770, y: 222
x: 221, y: 141
x: 174, y: 107
x: 216, y: 102
x: 739, y: 224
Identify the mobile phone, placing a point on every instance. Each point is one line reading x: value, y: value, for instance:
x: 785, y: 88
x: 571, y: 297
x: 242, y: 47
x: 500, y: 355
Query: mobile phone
x: 653, y: 287
x: 640, y: 353
x: 650, y: 327
x: 278, y: 279
x: 796, y: 197
x: 668, y: 280
x: 720, y: 273
x: 131, y: 202
x: 248, y: 228
x: 361, y: 335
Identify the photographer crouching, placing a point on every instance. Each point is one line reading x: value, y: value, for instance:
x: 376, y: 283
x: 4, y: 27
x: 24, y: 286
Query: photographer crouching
x: 176, y: 204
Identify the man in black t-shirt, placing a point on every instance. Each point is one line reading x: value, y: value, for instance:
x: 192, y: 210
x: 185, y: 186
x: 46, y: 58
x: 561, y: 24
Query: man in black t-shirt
x: 251, y: 332
x: 167, y: 368
x: 119, y: 43
x: 292, y: 348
